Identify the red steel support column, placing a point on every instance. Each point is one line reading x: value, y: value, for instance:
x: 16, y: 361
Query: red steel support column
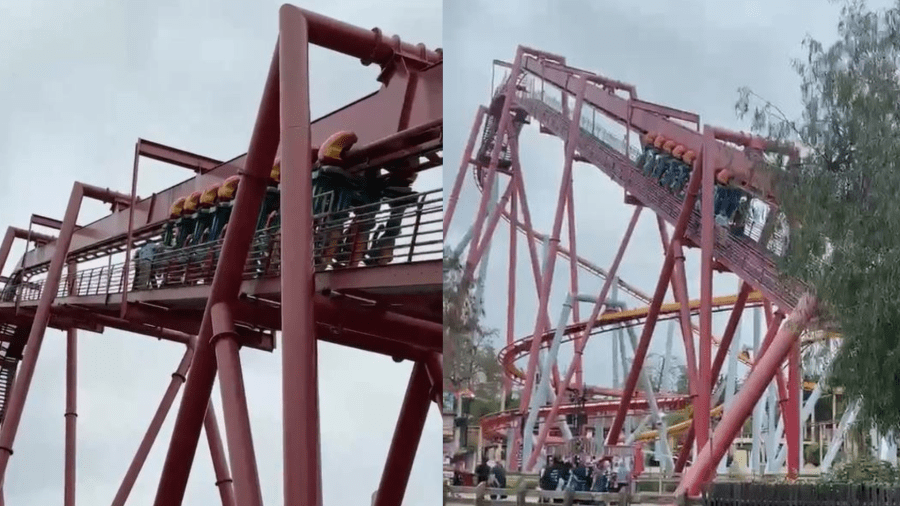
x: 774, y: 324
x: 757, y: 382
x: 71, y: 403
x: 5, y: 246
x: 721, y: 354
x: 679, y: 286
x: 687, y: 208
x: 434, y: 364
x: 225, y: 287
x: 573, y: 277
x: 767, y: 309
x: 680, y: 293
x: 234, y: 406
x: 730, y: 329
x: 519, y: 181
x: 547, y: 280
x: 128, y: 242
x: 400, y: 458
x: 511, y: 294
x: 302, y: 471
x: 178, y: 377
x: 502, y: 127
x: 463, y: 168
x: 493, y: 220
x: 16, y: 401
x: 707, y: 241
x: 217, y: 452
x: 582, y: 340
x: 792, y: 413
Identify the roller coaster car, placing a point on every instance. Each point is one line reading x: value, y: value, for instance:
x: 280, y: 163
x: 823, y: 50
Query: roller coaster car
x: 671, y: 165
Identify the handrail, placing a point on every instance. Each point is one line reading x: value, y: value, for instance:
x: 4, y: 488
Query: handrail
x: 755, y: 223
x: 345, y: 239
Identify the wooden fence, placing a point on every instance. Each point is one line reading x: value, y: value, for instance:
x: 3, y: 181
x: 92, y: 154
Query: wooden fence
x: 805, y: 494
x: 522, y: 495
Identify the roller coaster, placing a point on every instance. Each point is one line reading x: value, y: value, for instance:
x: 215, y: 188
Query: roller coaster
x: 317, y: 232
x: 717, y: 188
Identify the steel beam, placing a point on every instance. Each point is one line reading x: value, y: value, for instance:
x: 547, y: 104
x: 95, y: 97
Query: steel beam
x: 16, y: 401
x: 463, y: 168
x: 174, y: 156
x: 178, y: 377
x: 234, y: 405
x: 225, y: 288
x: 407, y: 434
x: 653, y: 313
x: 754, y: 386
x: 220, y: 464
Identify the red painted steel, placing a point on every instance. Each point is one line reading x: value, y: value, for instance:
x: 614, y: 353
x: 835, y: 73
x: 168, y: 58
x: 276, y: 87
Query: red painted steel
x: 302, y: 472
x: 732, y: 421
x: 225, y: 288
x: 792, y: 411
x: 703, y: 402
x: 466, y: 160
x: 234, y: 405
x: 582, y: 341
x: 719, y: 162
x: 217, y: 452
x: 238, y: 296
x: 406, y: 439
x: 178, y: 377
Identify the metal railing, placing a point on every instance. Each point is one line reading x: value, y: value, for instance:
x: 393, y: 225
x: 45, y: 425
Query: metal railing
x: 401, y: 230
x: 533, y: 87
x: 753, y: 255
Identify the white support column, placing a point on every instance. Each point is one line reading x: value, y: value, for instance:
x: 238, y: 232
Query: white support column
x: 875, y: 438
x: 759, y: 409
x: 731, y: 381
x: 599, y: 440
x: 664, y: 384
x: 656, y: 415
x: 888, y: 449
x: 637, y: 430
x: 771, y: 441
x: 837, y: 440
x: 615, y: 362
x: 808, y: 407
x: 542, y: 389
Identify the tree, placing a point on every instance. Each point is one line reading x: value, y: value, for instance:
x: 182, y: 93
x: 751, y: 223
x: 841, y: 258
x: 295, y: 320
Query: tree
x: 469, y: 360
x: 840, y: 198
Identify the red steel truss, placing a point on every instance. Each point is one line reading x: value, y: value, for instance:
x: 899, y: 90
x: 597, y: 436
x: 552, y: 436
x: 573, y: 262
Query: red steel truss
x: 566, y: 102
x: 237, y: 291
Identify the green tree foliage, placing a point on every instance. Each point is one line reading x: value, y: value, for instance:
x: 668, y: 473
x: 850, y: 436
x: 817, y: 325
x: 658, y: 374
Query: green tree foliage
x: 864, y: 470
x: 841, y: 199
x: 469, y: 360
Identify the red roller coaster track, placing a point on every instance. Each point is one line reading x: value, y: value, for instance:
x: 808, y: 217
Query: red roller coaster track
x: 238, y: 291
x: 566, y: 102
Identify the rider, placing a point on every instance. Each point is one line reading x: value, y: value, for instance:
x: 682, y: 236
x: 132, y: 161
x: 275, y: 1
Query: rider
x: 399, y: 195
x: 332, y: 193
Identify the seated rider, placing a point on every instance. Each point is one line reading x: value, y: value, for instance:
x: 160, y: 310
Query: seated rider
x: 399, y: 195
x: 332, y: 194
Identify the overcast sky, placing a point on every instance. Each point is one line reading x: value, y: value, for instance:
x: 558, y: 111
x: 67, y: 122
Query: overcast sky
x: 691, y: 55
x: 79, y: 83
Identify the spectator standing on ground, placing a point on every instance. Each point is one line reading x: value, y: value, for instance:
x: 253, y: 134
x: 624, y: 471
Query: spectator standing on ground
x: 482, y: 471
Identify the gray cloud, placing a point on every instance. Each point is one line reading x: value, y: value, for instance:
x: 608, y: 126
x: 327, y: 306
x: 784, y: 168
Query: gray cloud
x: 79, y: 83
